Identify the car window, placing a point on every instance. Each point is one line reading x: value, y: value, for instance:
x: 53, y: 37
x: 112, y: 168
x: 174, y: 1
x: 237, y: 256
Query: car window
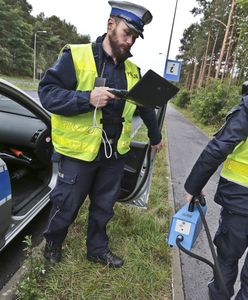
x: 10, y: 106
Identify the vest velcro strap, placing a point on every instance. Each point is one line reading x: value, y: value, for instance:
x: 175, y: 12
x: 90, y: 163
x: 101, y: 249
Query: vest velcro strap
x: 236, y: 166
x: 112, y: 121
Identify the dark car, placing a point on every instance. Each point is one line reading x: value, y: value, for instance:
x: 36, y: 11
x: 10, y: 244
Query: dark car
x: 27, y: 175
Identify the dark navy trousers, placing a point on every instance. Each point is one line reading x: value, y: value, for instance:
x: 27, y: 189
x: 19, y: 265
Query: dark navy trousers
x: 76, y: 180
x: 231, y: 240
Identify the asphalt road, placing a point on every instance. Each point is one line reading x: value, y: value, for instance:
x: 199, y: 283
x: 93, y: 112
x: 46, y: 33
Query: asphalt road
x: 34, y: 95
x: 185, y: 143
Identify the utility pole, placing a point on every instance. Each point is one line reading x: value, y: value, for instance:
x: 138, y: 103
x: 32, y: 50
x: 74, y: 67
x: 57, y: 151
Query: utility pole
x: 172, y: 27
x: 35, y: 40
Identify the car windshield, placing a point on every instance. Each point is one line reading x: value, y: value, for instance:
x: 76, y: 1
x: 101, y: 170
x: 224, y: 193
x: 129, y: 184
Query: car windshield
x: 10, y: 106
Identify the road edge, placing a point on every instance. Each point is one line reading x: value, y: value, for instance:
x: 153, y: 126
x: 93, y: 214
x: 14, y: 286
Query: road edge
x: 177, y: 280
x: 8, y: 292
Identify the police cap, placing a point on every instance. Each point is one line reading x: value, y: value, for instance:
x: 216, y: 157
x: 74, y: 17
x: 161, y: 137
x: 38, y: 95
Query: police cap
x: 134, y: 15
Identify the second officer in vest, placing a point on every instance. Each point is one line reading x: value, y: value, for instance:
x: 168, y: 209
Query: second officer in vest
x: 91, y: 128
x: 229, y: 145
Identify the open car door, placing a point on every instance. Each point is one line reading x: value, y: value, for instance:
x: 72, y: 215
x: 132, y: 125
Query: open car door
x: 25, y: 160
x: 136, y: 181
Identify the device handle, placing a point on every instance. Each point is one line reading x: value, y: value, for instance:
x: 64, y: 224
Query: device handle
x: 200, y: 198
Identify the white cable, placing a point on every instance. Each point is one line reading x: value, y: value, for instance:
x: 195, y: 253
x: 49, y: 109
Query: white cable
x: 105, y: 139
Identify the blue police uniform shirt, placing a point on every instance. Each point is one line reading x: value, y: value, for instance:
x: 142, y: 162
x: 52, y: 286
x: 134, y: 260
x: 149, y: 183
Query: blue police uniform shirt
x: 229, y: 194
x: 58, y: 95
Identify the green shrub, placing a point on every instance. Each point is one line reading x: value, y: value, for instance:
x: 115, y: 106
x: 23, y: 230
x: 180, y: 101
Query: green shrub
x: 210, y: 104
x: 182, y: 99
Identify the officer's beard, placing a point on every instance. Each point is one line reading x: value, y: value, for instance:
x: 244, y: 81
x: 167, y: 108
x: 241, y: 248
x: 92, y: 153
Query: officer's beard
x: 118, y: 50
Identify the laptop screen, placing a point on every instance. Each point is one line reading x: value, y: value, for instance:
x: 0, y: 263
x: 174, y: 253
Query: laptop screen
x: 152, y: 90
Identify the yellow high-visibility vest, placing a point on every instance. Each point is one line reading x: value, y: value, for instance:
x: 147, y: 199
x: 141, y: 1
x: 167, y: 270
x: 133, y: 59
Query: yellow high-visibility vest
x: 235, y: 167
x: 75, y: 136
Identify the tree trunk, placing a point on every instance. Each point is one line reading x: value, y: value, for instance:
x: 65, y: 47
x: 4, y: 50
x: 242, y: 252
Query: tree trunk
x: 228, y: 53
x: 212, y: 55
x: 223, y: 49
x: 234, y: 62
x: 202, y: 74
x: 193, y: 77
x: 187, y: 81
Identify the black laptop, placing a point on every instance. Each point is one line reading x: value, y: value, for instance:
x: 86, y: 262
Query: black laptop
x: 151, y: 90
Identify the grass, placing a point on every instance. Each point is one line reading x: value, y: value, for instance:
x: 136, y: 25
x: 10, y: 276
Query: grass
x: 137, y: 235
x: 25, y: 83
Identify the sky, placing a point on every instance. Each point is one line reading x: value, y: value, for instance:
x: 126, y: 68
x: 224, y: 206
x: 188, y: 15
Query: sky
x: 90, y: 17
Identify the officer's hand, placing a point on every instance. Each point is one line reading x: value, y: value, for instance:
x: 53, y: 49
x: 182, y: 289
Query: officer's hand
x: 100, y: 96
x: 157, y: 147
x: 188, y: 196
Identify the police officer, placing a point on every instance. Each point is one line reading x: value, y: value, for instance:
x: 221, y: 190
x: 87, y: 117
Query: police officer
x: 91, y: 129
x: 229, y: 145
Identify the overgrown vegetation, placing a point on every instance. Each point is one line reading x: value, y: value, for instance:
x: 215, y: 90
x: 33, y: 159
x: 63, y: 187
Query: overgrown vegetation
x: 138, y: 235
x: 210, y: 104
x: 36, y: 267
x: 182, y: 99
x: 18, y: 31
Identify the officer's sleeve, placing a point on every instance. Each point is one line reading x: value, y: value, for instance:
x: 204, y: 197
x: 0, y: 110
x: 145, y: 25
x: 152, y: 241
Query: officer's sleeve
x: 234, y: 131
x: 57, y: 89
x: 148, y: 116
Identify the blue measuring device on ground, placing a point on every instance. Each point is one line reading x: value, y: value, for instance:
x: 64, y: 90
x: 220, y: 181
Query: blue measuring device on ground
x: 185, y: 227
x: 186, y: 223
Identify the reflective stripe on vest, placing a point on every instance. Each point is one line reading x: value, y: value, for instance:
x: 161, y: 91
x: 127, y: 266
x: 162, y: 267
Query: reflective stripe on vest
x: 235, y: 167
x: 74, y: 136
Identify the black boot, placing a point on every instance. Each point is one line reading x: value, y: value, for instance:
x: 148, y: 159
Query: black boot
x: 107, y: 258
x: 52, y: 252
